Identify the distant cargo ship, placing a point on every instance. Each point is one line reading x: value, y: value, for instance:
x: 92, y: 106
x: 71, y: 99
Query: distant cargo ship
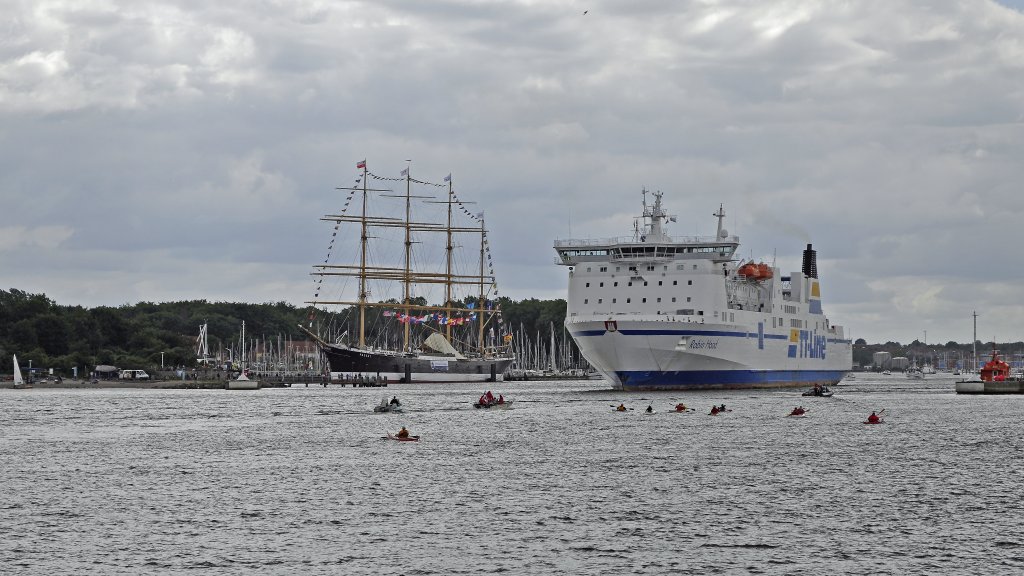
x: 653, y: 312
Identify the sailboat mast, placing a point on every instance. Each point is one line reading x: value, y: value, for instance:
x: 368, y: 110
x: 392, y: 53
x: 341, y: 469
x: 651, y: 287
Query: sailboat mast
x: 974, y: 342
x: 362, y: 269
x: 242, y: 347
x: 554, y: 368
x: 480, y: 304
x: 408, y: 254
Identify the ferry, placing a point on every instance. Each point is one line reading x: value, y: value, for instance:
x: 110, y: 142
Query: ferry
x: 655, y: 312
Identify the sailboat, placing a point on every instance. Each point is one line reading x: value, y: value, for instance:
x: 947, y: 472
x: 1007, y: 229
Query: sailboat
x: 243, y: 382
x: 426, y: 350
x: 19, y: 380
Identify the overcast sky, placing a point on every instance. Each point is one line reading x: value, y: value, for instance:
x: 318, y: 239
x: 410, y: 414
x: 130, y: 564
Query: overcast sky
x: 156, y: 151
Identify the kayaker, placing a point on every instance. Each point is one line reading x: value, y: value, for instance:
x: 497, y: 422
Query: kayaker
x: 798, y: 411
x: 403, y: 433
x: 650, y: 408
x: 621, y: 408
x: 483, y: 400
x: 874, y: 419
x: 714, y: 410
x: 721, y: 408
x: 680, y: 407
x: 501, y: 398
x: 394, y: 401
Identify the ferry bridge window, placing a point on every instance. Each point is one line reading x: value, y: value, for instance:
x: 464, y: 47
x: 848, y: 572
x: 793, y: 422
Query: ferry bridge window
x: 689, y: 282
x: 659, y: 300
x: 675, y: 282
x: 601, y: 285
x: 659, y: 282
x: 645, y: 300
x: 613, y: 300
x: 630, y: 284
x: 650, y: 268
x: 688, y: 298
x: 588, y: 268
x: 599, y: 300
x: 604, y: 268
x: 628, y: 300
x: 616, y: 284
x: 673, y: 298
x: 588, y: 284
x: 645, y: 283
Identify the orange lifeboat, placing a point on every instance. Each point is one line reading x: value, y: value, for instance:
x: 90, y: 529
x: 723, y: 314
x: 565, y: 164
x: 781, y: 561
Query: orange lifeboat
x: 764, y: 272
x: 995, y: 370
x: 749, y: 270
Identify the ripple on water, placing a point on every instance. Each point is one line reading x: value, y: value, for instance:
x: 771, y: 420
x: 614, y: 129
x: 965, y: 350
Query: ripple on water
x: 297, y: 480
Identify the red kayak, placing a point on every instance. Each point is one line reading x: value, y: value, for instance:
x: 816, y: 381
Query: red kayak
x: 391, y: 436
x: 879, y: 422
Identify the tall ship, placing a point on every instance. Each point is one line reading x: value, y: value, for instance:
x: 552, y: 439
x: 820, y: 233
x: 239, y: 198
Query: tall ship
x: 655, y: 312
x: 409, y: 308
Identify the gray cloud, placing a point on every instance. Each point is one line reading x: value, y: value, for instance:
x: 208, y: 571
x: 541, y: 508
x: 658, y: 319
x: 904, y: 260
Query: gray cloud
x: 179, y: 150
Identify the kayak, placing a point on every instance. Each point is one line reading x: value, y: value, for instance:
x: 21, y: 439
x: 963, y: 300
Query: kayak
x: 391, y: 436
x: 879, y: 422
x: 506, y: 405
x: 797, y: 415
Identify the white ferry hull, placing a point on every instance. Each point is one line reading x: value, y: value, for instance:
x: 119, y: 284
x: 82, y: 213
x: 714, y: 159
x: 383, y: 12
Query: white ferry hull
x: 674, y: 355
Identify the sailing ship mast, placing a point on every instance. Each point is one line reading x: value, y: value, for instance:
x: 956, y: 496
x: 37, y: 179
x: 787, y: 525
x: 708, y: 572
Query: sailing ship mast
x: 406, y: 275
x: 362, y: 268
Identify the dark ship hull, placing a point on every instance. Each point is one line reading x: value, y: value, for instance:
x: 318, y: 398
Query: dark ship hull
x: 414, y: 368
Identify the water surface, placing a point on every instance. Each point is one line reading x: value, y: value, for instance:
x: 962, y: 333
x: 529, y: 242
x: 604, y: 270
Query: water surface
x: 283, y: 481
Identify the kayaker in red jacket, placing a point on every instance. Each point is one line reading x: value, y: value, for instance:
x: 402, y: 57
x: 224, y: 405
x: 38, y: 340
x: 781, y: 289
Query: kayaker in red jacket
x: 403, y: 433
x: 874, y: 419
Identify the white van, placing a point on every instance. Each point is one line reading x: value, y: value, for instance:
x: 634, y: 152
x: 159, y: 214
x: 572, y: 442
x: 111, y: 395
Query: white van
x: 134, y: 375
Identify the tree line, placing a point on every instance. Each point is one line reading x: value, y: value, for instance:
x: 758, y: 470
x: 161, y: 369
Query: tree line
x: 134, y: 335
x: 58, y: 336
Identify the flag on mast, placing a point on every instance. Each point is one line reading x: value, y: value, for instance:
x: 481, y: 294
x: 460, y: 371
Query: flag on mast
x: 361, y: 164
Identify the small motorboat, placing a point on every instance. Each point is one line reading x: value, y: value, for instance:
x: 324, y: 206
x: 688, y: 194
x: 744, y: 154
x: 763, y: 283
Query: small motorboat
x: 822, y: 392
x: 391, y: 436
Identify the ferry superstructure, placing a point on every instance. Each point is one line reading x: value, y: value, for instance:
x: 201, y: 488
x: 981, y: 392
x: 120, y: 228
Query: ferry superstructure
x: 656, y: 312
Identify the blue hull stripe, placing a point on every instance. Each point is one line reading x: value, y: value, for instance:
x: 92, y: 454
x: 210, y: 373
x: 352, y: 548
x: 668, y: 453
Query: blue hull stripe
x: 685, y: 380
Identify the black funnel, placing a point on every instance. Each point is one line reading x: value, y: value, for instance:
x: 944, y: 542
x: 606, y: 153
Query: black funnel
x: 810, y: 267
